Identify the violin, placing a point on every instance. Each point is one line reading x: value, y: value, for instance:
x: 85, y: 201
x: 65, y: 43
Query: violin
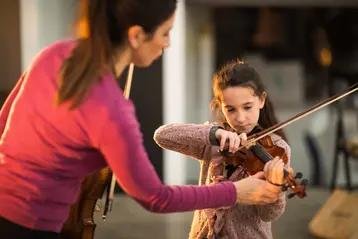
x: 260, y: 149
x: 254, y: 158
x: 80, y: 223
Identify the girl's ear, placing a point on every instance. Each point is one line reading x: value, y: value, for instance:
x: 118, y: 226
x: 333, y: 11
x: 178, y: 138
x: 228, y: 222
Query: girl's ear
x: 263, y: 99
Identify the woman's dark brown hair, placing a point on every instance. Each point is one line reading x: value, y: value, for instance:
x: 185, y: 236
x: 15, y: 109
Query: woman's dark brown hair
x: 237, y: 73
x: 103, y: 27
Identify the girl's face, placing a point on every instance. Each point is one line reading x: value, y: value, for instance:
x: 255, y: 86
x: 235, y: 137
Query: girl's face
x: 241, y: 108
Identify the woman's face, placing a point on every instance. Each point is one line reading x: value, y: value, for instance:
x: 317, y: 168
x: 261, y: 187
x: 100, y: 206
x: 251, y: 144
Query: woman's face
x: 146, y: 48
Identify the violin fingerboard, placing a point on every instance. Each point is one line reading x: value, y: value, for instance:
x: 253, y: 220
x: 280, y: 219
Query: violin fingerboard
x: 259, y: 152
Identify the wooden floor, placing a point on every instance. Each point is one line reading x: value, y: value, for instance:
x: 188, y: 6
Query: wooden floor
x: 129, y: 221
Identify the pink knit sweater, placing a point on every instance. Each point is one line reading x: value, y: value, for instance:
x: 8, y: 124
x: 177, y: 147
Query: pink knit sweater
x: 239, y: 221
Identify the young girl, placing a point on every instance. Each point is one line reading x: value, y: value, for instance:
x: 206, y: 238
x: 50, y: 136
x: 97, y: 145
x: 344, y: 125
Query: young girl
x: 242, y: 106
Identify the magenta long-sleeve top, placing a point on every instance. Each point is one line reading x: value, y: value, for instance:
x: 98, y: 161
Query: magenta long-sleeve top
x: 46, y: 151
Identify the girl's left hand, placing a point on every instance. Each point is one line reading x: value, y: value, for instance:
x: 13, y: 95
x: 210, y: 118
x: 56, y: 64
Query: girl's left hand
x: 273, y: 171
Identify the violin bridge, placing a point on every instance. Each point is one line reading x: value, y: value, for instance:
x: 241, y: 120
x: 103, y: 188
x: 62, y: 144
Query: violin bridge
x: 250, y: 144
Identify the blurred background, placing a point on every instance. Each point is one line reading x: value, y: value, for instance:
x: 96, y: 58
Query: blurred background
x: 305, y: 50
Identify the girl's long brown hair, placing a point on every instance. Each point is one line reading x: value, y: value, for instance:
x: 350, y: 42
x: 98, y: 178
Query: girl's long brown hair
x: 238, y: 73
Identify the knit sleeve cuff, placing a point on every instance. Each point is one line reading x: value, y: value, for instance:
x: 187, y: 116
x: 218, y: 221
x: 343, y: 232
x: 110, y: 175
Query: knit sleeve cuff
x: 212, y: 136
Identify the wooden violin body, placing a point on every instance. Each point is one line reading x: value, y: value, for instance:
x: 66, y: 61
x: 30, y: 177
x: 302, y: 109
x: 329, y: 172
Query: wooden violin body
x: 251, y: 162
x: 254, y: 157
x: 80, y: 223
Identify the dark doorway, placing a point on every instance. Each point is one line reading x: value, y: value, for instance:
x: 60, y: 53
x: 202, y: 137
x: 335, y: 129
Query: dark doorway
x: 146, y: 93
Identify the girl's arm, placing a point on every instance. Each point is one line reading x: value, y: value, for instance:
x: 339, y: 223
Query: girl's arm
x: 189, y: 139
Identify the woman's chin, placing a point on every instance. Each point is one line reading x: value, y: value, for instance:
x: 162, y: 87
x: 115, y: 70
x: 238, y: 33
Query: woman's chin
x: 141, y: 65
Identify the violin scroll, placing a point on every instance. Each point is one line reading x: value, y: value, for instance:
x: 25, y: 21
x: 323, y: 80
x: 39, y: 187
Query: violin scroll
x: 298, y: 189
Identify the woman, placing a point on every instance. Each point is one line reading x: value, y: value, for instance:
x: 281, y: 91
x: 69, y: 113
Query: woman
x: 67, y: 118
x: 242, y: 107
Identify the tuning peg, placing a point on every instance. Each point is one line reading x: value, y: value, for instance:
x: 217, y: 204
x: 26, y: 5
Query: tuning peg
x: 291, y: 195
x: 304, y: 182
x: 298, y: 175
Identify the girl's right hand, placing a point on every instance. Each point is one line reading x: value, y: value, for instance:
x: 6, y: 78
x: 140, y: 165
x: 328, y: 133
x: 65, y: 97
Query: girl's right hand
x: 230, y: 140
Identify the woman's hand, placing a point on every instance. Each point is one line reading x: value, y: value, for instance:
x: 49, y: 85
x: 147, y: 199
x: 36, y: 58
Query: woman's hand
x: 273, y: 171
x: 255, y: 191
x: 230, y: 140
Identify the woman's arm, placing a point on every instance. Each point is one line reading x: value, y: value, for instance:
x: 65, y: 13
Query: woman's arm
x: 121, y: 143
x: 188, y: 139
x: 274, y: 210
x: 5, y: 110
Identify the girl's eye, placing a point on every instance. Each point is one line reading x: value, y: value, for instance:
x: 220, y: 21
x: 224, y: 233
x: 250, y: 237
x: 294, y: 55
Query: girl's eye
x: 247, y: 107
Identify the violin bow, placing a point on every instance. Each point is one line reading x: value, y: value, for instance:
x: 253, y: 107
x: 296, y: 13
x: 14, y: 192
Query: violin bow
x: 110, y: 197
x: 252, y: 139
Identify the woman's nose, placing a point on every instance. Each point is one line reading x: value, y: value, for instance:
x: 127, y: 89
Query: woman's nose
x: 167, y: 44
